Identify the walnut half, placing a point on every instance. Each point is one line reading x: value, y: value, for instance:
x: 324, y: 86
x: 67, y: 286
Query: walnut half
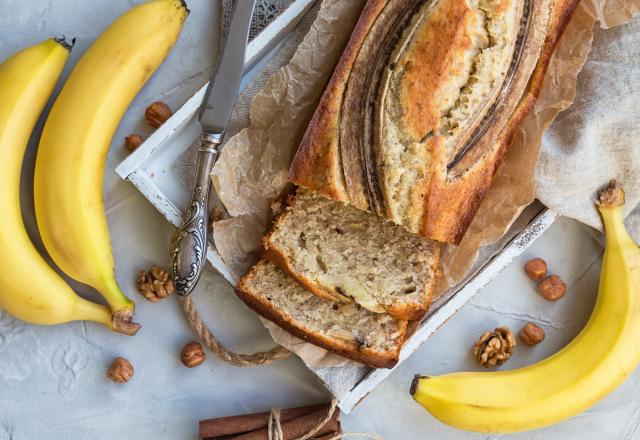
x: 155, y: 284
x: 494, y: 348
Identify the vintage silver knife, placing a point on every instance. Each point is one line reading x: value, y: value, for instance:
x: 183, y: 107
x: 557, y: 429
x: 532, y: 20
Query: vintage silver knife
x: 189, y: 249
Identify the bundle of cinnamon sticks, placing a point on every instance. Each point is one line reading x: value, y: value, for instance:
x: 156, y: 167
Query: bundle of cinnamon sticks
x: 295, y: 422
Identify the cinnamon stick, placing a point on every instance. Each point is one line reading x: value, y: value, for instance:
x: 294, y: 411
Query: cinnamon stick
x: 235, y: 425
x: 298, y: 427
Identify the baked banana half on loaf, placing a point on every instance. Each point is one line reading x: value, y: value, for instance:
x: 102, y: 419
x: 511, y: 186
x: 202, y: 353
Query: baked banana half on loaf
x: 345, y: 254
x: 423, y: 104
x: 346, y: 329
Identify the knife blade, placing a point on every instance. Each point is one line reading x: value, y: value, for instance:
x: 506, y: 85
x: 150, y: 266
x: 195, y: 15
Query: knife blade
x: 222, y: 93
x: 189, y: 246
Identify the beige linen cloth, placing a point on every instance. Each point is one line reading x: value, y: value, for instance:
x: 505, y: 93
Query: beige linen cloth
x: 598, y: 137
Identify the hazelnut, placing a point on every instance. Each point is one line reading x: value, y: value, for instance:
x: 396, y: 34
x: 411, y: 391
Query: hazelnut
x: 157, y: 113
x: 536, y: 269
x: 120, y: 371
x: 552, y: 288
x: 192, y: 355
x: 132, y: 142
x: 531, y: 334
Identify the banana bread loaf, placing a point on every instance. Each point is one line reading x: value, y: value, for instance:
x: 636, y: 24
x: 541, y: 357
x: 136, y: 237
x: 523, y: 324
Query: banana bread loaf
x: 424, y: 102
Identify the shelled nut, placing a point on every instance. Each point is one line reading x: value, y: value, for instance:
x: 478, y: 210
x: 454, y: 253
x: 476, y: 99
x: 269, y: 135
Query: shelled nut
x: 157, y: 113
x: 120, y: 371
x: 192, y: 355
x: 155, y: 284
x: 536, y: 269
x: 531, y: 334
x: 552, y: 288
x: 494, y: 348
x: 132, y: 142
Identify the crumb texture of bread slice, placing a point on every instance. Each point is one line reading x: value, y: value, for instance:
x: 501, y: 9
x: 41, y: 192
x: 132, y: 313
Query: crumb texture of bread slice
x: 346, y: 329
x: 344, y: 253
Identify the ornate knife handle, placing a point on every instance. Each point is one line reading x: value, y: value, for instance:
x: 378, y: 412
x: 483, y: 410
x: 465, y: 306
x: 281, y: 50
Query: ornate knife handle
x: 189, y: 250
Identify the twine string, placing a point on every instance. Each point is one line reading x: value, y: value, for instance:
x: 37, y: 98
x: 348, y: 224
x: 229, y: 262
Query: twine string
x: 275, y: 427
x: 237, y: 359
x: 321, y: 423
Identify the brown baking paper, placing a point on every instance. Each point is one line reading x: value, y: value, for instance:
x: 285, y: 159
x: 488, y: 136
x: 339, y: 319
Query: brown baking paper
x: 252, y: 169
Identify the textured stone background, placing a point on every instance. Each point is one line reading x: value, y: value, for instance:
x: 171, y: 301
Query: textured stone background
x: 52, y: 382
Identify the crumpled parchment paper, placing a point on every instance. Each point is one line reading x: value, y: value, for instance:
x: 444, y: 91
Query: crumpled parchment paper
x: 252, y: 169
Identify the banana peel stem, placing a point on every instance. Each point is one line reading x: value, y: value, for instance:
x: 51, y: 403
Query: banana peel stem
x: 115, y: 297
x: 122, y: 307
x: 611, y: 196
x: 610, y: 203
x: 122, y: 322
x: 62, y: 41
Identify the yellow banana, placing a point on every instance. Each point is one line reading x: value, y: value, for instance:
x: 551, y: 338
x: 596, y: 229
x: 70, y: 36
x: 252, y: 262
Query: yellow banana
x: 605, y: 352
x: 76, y: 138
x: 30, y: 290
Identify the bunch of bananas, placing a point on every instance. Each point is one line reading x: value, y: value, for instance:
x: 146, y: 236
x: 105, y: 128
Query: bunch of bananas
x: 572, y: 380
x: 70, y: 164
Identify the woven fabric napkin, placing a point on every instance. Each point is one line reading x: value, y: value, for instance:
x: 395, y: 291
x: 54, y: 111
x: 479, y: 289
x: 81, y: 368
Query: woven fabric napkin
x: 598, y: 137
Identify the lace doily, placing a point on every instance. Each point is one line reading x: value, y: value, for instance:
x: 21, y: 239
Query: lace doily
x: 265, y: 12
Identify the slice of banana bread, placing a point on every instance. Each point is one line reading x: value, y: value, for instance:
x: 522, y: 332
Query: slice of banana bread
x: 342, y: 253
x: 346, y: 329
